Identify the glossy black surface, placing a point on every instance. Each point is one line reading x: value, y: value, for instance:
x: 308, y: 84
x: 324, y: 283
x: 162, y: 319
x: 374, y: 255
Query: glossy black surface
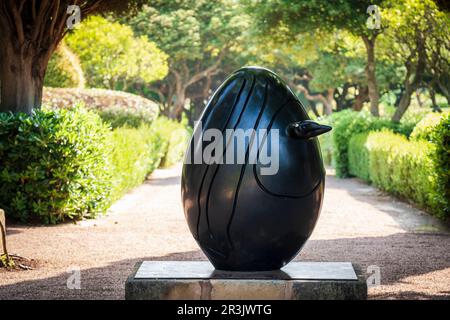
x: 241, y: 219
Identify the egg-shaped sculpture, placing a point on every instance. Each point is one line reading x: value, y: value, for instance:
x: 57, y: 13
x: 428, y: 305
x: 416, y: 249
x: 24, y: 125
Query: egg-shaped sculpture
x: 243, y: 218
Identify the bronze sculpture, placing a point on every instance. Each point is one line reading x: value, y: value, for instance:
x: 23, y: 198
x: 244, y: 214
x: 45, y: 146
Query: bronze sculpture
x: 242, y: 219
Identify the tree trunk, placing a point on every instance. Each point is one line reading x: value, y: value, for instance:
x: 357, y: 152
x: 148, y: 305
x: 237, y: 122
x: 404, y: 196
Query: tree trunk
x: 416, y: 71
x: 371, y: 75
x: 434, y: 104
x: 405, y: 100
x: 313, y: 107
x: 328, y: 102
x: 21, y: 79
x: 445, y: 90
x: 361, y: 97
x: 180, y: 100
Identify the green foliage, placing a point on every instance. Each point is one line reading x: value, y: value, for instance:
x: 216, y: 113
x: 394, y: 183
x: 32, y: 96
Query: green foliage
x: 348, y: 123
x: 116, y: 107
x: 176, y: 135
x: 304, y: 15
x: 118, y: 117
x: 403, y: 168
x: 358, y: 157
x: 6, y: 261
x: 425, y: 128
x: 63, y: 70
x: 112, y: 57
x: 54, y: 165
x: 326, y: 142
x: 67, y: 164
x: 416, y: 170
x: 136, y: 152
x: 441, y: 158
x: 201, y: 37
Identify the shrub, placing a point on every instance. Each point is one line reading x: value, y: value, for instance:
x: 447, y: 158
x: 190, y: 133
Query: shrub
x: 441, y: 158
x: 358, y: 157
x: 176, y: 136
x: 101, y: 101
x: 403, y: 167
x: 118, y: 117
x: 416, y: 170
x: 348, y: 123
x: 64, y: 70
x: 113, y: 58
x: 426, y: 126
x: 326, y: 142
x: 54, y: 165
x: 136, y: 152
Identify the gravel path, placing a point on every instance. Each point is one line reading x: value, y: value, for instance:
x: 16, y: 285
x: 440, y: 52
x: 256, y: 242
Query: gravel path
x: 358, y: 224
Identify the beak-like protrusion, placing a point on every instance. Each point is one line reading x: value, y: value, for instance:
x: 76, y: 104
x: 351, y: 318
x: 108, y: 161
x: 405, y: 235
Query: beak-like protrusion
x: 306, y: 129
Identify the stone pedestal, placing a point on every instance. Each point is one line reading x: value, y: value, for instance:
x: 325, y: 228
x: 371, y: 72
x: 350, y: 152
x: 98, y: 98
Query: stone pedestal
x: 198, y: 280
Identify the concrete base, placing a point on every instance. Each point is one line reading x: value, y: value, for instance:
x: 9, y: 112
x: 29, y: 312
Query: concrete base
x: 197, y: 280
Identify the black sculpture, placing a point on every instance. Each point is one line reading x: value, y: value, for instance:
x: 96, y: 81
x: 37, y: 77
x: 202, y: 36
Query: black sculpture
x: 241, y: 219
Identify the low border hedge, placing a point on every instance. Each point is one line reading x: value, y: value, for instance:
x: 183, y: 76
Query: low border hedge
x: 68, y: 163
x: 54, y: 165
x: 412, y: 169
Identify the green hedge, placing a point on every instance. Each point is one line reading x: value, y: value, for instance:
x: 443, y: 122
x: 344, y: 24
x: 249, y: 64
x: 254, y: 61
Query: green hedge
x: 441, y: 159
x: 54, y: 165
x: 358, y: 157
x: 407, y: 168
x: 69, y: 164
x: 425, y: 127
x: 348, y: 123
x: 136, y: 152
x: 176, y: 136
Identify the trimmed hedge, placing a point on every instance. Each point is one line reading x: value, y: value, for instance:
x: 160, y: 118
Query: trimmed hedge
x: 54, y: 164
x: 68, y: 164
x: 408, y: 168
x: 441, y: 158
x: 425, y: 127
x: 64, y: 69
x: 108, y: 103
x: 176, y: 136
x: 136, y: 152
x: 348, y: 123
x: 358, y: 157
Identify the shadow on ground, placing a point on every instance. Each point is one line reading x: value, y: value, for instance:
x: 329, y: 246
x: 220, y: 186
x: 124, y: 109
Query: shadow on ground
x: 399, y: 256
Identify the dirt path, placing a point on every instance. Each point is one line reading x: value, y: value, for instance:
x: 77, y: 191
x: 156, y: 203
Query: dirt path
x: 358, y: 224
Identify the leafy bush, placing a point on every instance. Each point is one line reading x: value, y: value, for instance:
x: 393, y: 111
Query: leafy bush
x: 441, y: 158
x: 348, y: 123
x: 54, y: 165
x: 112, y: 57
x: 118, y: 117
x: 64, y: 70
x: 403, y: 167
x: 136, y: 152
x: 425, y: 127
x: 326, y: 142
x: 99, y: 100
x: 67, y: 163
x: 417, y: 170
x: 358, y: 157
x: 176, y: 136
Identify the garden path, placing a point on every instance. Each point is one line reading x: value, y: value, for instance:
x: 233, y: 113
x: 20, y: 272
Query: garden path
x: 358, y: 224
